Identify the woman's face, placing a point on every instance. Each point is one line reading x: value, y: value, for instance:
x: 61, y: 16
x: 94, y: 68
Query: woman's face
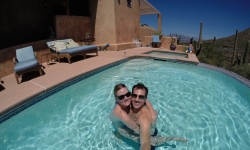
x: 123, y: 97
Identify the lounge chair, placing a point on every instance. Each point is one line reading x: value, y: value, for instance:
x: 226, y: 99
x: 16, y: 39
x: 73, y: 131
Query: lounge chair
x: 25, y: 61
x: 104, y: 48
x: 156, y: 41
x: 68, y: 48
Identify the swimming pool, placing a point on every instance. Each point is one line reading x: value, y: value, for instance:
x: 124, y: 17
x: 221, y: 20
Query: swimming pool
x: 210, y: 109
x: 167, y: 54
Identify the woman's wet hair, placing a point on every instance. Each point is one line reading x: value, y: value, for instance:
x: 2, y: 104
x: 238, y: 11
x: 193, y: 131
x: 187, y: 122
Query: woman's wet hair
x: 118, y: 87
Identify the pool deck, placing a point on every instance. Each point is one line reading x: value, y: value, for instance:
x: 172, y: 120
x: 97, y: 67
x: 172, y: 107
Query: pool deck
x: 13, y: 94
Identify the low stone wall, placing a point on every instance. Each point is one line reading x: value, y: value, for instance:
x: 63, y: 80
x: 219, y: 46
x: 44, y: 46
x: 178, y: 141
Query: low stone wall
x: 165, y: 43
x: 7, y: 55
x: 146, y: 35
x: 123, y: 46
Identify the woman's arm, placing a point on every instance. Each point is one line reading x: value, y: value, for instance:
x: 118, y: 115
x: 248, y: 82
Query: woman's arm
x: 154, y: 113
x: 124, y: 117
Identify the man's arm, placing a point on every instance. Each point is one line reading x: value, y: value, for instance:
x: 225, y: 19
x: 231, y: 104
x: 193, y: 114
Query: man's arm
x: 154, y: 113
x: 145, y: 122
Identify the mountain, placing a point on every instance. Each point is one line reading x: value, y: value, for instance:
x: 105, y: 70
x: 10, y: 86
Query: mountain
x: 228, y: 42
x: 226, y: 46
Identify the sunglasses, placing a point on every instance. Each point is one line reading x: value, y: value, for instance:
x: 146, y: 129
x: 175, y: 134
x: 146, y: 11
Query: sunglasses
x: 121, y: 97
x: 140, y: 96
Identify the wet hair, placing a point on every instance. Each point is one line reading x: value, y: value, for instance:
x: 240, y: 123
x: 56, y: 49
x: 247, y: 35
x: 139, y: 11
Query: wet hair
x: 118, y: 87
x: 140, y: 86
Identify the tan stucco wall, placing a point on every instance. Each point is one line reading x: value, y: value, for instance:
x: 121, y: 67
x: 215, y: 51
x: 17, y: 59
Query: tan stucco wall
x: 105, y: 31
x: 74, y: 27
x: 117, y: 24
x: 127, y: 21
x: 166, y: 44
x: 146, y: 35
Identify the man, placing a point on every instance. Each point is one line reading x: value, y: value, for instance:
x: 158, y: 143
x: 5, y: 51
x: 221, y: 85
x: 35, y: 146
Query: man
x: 141, y: 115
x: 119, y: 115
x: 135, y: 122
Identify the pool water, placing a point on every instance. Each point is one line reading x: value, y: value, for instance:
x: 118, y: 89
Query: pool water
x: 168, y: 54
x: 208, y: 108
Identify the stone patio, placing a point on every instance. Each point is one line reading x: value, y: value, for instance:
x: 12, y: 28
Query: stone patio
x: 13, y: 94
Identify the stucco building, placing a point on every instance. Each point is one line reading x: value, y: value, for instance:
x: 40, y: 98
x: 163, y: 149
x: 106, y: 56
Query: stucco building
x: 33, y: 23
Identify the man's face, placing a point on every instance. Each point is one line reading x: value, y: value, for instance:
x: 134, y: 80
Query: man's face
x: 123, y: 97
x: 138, y: 98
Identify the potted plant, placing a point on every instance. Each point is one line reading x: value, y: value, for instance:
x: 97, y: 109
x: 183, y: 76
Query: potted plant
x: 172, y: 45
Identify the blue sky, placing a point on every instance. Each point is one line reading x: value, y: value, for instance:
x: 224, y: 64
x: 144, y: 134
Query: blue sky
x: 220, y: 18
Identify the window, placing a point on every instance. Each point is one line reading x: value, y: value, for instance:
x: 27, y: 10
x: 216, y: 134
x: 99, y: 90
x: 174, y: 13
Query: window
x: 129, y: 3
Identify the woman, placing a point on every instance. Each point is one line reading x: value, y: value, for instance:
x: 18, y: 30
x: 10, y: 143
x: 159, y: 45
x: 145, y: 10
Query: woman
x: 125, y: 125
x: 119, y: 115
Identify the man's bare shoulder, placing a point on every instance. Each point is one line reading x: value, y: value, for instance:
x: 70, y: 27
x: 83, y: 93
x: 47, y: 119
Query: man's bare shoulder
x: 145, y: 116
x: 145, y: 111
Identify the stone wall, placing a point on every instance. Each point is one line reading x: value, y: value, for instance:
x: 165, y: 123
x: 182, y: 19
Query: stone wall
x: 146, y: 35
x: 7, y: 55
x: 74, y: 27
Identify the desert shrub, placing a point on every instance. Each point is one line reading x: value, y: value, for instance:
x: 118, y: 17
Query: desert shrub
x: 242, y: 70
x: 211, y: 56
x: 216, y: 57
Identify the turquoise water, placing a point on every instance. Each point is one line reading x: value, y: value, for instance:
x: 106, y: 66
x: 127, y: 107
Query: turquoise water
x: 210, y: 109
x: 167, y: 54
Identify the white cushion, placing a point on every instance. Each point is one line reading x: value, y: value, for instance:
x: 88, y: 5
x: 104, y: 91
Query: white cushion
x: 59, y: 45
x: 71, y: 43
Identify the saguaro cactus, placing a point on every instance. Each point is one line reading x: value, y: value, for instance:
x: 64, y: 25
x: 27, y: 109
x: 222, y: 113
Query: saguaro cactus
x: 178, y: 40
x: 200, y: 36
x: 246, y: 53
x: 199, y: 50
x: 214, y: 42
x: 195, y: 45
x: 235, y: 46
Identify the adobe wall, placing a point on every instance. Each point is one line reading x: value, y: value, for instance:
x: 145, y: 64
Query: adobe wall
x: 127, y: 21
x: 74, y: 27
x: 105, y: 22
x: 146, y: 35
x: 166, y: 44
x: 117, y: 24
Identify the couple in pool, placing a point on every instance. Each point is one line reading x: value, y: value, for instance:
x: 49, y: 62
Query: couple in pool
x: 135, y: 118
